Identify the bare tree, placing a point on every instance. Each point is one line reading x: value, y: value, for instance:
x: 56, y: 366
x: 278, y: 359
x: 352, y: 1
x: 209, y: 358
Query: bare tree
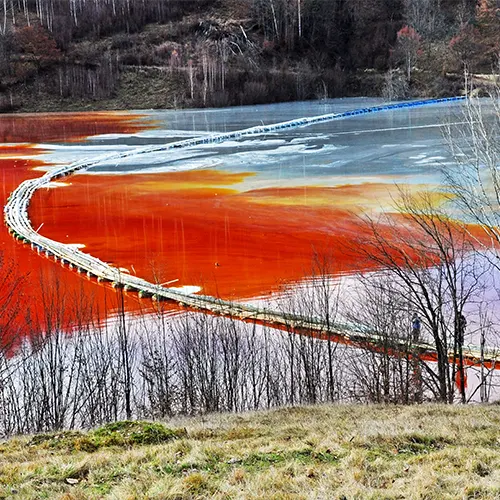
x: 389, y: 372
x: 395, y: 85
x: 313, y: 361
x: 425, y: 16
x: 433, y: 263
x: 475, y: 180
x: 407, y: 48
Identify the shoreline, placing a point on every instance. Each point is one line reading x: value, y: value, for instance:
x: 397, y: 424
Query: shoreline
x: 153, y: 90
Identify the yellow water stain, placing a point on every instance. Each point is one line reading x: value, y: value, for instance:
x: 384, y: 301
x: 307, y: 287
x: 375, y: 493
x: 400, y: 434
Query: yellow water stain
x: 427, y: 199
x: 344, y: 196
x: 371, y: 195
x: 156, y: 190
x: 191, y: 180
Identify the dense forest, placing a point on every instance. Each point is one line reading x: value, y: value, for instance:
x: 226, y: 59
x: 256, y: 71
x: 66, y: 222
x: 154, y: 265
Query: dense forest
x: 67, y: 54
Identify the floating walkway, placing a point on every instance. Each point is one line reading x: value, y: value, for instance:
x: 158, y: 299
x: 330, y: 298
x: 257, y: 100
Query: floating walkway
x: 17, y: 219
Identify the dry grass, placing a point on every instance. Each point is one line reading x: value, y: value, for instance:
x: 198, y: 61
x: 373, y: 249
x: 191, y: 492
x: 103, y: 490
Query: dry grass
x: 327, y: 452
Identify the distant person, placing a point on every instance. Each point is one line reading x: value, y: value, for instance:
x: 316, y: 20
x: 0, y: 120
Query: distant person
x: 415, y: 327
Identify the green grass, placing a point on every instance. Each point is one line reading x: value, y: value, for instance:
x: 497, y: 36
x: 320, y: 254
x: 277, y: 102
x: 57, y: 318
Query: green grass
x: 122, y: 434
x: 337, y: 452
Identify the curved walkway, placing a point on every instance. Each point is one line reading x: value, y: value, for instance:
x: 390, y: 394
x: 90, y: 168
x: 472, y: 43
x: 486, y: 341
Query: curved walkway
x: 17, y: 219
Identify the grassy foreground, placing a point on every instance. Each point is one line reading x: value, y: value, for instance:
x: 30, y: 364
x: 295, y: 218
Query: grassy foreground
x: 326, y: 452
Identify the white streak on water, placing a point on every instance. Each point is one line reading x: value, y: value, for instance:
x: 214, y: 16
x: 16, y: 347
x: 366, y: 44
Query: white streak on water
x: 395, y: 129
x: 431, y: 160
x: 188, y: 289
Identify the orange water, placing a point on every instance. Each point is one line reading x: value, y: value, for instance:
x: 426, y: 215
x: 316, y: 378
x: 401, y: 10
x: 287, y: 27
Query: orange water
x: 23, y: 270
x: 65, y: 127
x: 197, y: 228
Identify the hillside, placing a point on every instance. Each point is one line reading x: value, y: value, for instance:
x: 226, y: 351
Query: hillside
x: 342, y: 452
x: 125, y: 54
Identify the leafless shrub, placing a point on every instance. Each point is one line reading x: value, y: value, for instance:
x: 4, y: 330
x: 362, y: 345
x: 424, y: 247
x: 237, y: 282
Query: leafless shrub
x: 395, y: 85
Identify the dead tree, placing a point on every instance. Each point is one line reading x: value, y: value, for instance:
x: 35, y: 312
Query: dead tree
x: 433, y: 263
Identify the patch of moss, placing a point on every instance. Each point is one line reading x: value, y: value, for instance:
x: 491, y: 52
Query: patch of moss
x: 263, y: 460
x: 128, y: 433
x: 56, y: 440
x: 122, y: 434
x: 417, y: 444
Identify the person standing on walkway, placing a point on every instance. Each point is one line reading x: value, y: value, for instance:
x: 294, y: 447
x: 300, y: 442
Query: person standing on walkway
x: 415, y: 328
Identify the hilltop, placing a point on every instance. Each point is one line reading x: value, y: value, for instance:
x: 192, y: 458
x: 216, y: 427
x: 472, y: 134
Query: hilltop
x: 428, y: 451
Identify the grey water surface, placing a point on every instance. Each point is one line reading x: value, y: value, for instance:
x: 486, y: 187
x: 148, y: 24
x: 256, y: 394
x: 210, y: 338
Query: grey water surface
x: 402, y: 145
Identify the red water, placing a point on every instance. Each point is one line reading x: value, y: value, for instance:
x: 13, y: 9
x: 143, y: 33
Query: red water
x: 199, y: 229
x: 66, y: 127
x: 202, y: 228
x: 22, y: 269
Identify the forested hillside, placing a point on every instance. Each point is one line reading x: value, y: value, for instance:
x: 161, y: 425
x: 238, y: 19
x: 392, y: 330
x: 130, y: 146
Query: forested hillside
x: 68, y: 54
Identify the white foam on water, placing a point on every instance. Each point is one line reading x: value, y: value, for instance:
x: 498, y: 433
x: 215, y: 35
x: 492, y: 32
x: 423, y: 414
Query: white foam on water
x: 47, y: 168
x: 56, y: 184
x: 187, y: 289
x: 244, y: 143
x: 144, y: 166
x: 270, y: 156
x: 155, y: 134
x: 431, y: 160
x: 84, y: 147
